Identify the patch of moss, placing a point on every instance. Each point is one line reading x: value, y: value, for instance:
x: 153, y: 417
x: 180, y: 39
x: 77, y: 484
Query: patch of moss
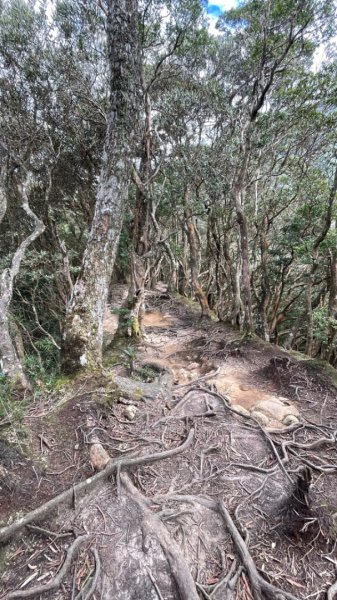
x: 145, y: 374
x: 13, y: 408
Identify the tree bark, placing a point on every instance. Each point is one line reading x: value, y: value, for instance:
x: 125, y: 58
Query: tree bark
x: 10, y: 363
x: 315, y: 252
x: 332, y: 306
x: 83, y: 330
x: 263, y: 329
x: 193, y: 246
x: 246, y: 288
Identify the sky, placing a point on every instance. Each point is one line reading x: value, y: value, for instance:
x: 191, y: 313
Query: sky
x: 215, y: 8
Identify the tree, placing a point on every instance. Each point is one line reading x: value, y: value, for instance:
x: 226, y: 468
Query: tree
x: 83, y: 329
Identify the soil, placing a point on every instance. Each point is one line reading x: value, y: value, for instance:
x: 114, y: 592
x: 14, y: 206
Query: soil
x: 187, y: 373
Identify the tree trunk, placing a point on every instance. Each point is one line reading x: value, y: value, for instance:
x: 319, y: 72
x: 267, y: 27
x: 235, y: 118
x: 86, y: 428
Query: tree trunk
x: 246, y: 289
x: 9, y: 360
x: 83, y: 330
x: 193, y: 247
x: 263, y: 328
x: 332, y: 307
x: 141, y: 228
x: 315, y: 253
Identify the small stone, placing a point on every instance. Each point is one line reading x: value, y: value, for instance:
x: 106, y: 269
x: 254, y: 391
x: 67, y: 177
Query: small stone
x: 290, y: 420
x: 260, y: 417
x: 76, y: 447
x: 98, y: 457
x: 130, y: 412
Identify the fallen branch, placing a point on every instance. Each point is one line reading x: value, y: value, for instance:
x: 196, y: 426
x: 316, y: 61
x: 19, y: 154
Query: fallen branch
x: 114, y: 465
x: 56, y: 582
x: 153, y: 527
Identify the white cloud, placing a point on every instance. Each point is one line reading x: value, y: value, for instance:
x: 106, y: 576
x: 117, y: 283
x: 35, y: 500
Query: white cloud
x: 224, y: 4
x: 221, y: 5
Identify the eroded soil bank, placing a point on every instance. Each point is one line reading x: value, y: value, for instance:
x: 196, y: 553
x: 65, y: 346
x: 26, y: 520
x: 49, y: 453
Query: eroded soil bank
x: 227, y: 424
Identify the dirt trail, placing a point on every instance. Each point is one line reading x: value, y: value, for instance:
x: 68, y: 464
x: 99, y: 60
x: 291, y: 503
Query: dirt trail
x: 191, y: 359
x: 181, y: 407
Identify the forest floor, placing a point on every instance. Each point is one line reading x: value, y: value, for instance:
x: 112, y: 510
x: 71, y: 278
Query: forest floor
x: 212, y: 440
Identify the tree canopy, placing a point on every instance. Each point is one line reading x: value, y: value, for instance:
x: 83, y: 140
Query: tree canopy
x: 220, y: 152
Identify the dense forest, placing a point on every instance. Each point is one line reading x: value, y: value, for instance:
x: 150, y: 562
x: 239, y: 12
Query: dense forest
x: 166, y: 151
x: 168, y: 299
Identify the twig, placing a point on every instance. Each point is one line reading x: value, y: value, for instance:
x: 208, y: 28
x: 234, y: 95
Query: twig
x: 48, y: 533
x: 158, y: 592
x: 56, y: 582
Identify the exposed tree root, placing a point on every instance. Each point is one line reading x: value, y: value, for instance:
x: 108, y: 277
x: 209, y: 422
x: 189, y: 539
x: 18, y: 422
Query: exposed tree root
x: 56, y: 582
x: 152, y: 526
x: 69, y: 495
x: 260, y: 586
x: 332, y: 592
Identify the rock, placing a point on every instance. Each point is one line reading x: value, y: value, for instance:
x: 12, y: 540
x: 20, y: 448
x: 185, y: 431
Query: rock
x: 240, y: 409
x: 192, y: 366
x: 98, y: 456
x: 291, y: 420
x: 130, y: 412
x: 260, y: 417
x: 275, y: 409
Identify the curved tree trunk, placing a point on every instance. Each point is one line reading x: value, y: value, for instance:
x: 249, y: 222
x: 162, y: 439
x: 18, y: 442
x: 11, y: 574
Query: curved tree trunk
x: 83, y: 330
x: 10, y: 363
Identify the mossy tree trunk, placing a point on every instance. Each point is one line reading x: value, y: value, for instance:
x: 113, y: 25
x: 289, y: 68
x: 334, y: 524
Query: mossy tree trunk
x: 83, y: 330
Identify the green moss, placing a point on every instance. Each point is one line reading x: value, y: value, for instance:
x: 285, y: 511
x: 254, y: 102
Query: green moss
x: 135, y: 326
x: 12, y: 405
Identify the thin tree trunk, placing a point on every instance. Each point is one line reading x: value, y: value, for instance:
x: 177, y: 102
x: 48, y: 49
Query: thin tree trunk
x: 83, y: 331
x: 315, y: 251
x: 193, y: 246
x: 141, y: 227
x: 265, y: 288
x: 246, y: 289
x: 9, y: 359
x: 332, y: 307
